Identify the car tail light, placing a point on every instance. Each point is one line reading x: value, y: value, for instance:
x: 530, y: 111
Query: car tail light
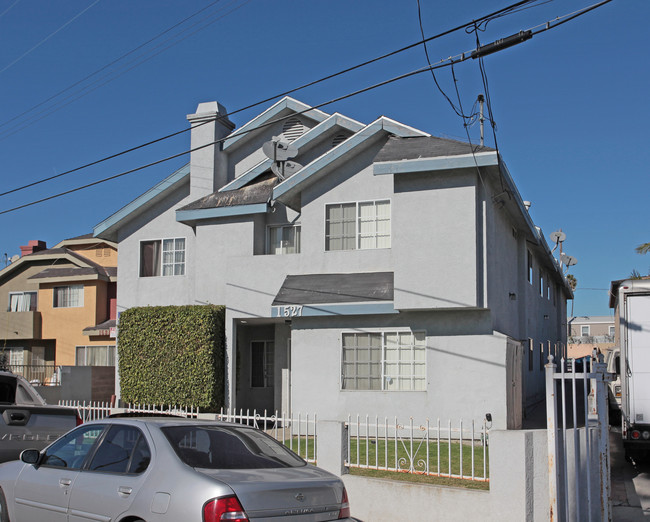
x: 79, y: 421
x: 635, y: 434
x: 345, y: 506
x: 224, y: 509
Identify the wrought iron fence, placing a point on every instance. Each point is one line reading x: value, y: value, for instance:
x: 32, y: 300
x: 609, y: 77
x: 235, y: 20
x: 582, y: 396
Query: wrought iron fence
x: 440, y: 450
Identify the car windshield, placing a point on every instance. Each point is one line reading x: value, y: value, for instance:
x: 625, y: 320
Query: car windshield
x: 229, y: 447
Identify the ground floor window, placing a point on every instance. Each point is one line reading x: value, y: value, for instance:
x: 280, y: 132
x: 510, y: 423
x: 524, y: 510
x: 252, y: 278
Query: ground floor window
x: 391, y: 361
x: 95, y: 356
x: 262, y: 358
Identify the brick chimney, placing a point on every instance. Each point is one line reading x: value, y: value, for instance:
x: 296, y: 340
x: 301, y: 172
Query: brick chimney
x: 32, y: 246
x: 208, y: 166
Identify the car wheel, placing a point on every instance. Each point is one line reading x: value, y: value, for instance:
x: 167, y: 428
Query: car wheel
x: 4, y: 514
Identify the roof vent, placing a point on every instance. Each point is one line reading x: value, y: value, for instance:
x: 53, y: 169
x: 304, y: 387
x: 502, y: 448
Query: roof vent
x: 338, y: 139
x: 293, y: 129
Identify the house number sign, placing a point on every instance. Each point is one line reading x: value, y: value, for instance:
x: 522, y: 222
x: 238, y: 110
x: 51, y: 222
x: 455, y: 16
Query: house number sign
x: 291, y: 311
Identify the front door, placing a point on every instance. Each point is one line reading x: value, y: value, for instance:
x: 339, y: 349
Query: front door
x: 262, y: 357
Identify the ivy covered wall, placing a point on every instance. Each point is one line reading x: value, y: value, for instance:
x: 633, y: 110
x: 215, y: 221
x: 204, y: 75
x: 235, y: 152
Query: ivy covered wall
x: 172, y: 355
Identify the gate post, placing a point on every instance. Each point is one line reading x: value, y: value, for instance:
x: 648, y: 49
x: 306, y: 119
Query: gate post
x: 551, y: 430
x: 602, y: 424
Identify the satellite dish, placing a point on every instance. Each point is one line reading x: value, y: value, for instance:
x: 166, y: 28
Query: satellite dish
x: 285, y: 169
x: 279, y: 150
x: 570, y: 261
x: 558, y: 237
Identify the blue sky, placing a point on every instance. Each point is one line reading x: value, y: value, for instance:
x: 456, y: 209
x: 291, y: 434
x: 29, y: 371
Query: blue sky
x: 571, y: 104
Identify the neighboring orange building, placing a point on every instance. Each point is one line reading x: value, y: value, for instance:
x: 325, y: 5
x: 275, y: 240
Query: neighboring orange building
x: 61, y: 304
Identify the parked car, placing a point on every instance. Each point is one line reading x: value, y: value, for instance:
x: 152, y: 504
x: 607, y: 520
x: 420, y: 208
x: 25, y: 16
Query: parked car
x: 172, y: 469
x: 26, y: 421
x: 613, y: 360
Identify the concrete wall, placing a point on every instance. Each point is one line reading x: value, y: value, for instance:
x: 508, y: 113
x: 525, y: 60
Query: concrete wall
x: 81, y: 383
x: 518, y: 488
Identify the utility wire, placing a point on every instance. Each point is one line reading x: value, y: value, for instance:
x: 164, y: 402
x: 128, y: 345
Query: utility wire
x: 108, y: 64
x: 109, y: 77
x: 48, y: 37
x: 266, y: 100
x: 9, y: 8
x: 442, y: 63
x: 272, y: 122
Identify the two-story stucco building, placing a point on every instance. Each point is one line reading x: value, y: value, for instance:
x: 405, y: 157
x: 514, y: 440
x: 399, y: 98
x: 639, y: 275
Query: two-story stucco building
x: 61, y: 306
x: 381, y: 270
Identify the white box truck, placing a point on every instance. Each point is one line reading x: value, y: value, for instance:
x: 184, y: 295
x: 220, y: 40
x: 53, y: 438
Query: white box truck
x: 631, y: 300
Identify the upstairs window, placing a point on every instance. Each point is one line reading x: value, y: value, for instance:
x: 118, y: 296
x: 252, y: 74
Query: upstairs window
x: 68, y: 296
x: 284, y: 240
x: 164, y: 257
x: 585, y: 330
x: 530, y: 267
x: 362, y: 225
x: 22, y: 301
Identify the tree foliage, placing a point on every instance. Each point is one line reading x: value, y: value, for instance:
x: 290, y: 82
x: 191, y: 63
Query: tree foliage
x: 172, y: 355
x: 643, y: 249
x: 573, y: 282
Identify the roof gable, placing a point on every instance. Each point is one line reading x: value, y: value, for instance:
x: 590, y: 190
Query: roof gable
x: 268, y: 116
x: 286, y: 191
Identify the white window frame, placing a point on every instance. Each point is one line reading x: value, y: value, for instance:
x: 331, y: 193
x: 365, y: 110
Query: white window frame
x: 80, y: 300
x: 297, y: 238
x: 386, y: 379
x: 22, y: 305
x: 358, y: 236
x: 162, y: 264
x: 582, y: 332
x: 612, y: 331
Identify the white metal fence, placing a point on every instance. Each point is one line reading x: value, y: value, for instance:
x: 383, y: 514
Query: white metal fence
x: 296, y: 431
x: 577, y: 414
x: 98, y: 410
x: 440, y: 449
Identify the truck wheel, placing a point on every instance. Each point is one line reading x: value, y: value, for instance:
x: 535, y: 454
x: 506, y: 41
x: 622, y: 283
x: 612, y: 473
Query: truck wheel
x: 4, y: 514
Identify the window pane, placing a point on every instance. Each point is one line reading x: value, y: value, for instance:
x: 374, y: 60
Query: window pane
x: 115, y: 450
x: 68, y: 296
x: 70, y: 451
x: 149, y: 258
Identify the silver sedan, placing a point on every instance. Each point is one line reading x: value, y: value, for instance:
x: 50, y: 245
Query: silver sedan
x: 147, y: 470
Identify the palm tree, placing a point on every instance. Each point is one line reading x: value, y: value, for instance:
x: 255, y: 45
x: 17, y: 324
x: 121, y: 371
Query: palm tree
x: 643, y: 249
x: 573, y: 282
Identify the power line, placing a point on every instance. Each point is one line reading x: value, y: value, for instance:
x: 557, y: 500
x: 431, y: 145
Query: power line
x: 266, y: 100
x: 9, y: 8
x: 108, y: 64
x: 442, y: 63
x: 109, y: 77
x: 48, y: 37
x: 272, y: 122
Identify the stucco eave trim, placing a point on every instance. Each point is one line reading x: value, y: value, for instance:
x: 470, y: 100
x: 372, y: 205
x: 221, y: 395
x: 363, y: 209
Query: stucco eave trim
x: 464, y: 161
x: 314, y: 310
x: 185, y: 216
x: 69, y: 279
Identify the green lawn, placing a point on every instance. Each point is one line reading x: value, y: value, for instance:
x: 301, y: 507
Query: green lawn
x: 379, y: 454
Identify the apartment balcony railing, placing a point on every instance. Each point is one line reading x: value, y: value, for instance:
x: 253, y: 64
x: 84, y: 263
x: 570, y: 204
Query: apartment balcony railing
x: 590, y: 339
x: 43, y: 374
x: 20, y: 325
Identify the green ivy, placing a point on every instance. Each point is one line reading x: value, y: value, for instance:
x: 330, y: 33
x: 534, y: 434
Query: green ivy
x: 172, y: 355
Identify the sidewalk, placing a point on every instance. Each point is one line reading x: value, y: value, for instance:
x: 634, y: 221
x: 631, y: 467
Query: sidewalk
x: 626, y: 506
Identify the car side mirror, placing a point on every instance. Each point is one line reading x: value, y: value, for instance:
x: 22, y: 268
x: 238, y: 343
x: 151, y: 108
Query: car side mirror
x: 30, y: 456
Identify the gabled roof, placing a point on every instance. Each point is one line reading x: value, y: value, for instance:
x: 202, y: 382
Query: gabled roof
x: 108, y: 228
x: 86, y: 239
x: 286, y: 103
x: 312, y: 135
x: 54, y: 254
x: 285, y: 191
x: 71, y: 273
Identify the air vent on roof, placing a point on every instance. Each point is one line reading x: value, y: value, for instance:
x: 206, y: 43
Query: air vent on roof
x: 338, y: 139
x: 293, y: 129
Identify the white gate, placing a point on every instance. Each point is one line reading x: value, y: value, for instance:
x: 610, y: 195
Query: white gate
x: 578, y: 443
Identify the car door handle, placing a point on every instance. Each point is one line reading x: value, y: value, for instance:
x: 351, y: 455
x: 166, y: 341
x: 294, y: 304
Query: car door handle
x: 125, y: 491
x: 64, y: 483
